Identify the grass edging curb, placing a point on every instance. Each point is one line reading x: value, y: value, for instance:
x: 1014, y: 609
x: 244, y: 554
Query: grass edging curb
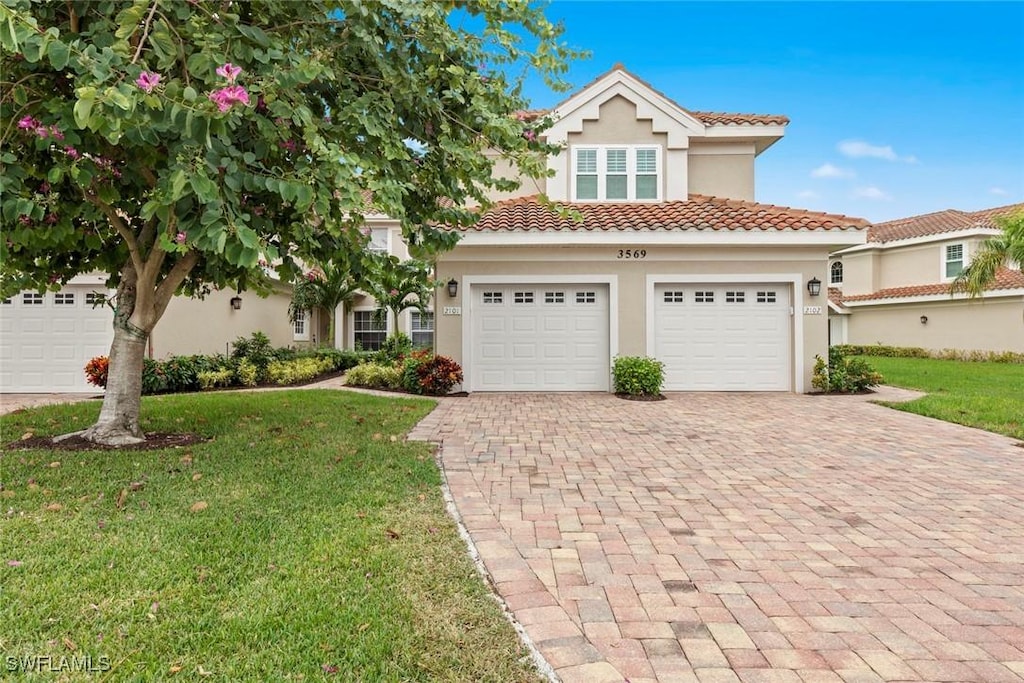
x: 543, y: 667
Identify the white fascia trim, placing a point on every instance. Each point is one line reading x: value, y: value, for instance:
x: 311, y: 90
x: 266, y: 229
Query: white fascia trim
x: 838, y: 310
x: 94, y: 279
x: 722, y: 148
x: 954, y: 236
x: 470, y: 281
x: 936, y: 298
x: 794, y: 279
x: 753, y: 238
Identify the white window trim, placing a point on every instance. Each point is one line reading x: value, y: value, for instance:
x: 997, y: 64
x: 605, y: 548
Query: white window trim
x: 831, y: 275
x: 388, y: 323
x: 432, y: 330
x: 307, y: 322
x: 944, y: 261
x: 602, y: 172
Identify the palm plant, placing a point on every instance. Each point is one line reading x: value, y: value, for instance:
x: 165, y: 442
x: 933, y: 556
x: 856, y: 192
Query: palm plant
x: 996, y: 253
x: 327, y: 286
x: 399, y: 285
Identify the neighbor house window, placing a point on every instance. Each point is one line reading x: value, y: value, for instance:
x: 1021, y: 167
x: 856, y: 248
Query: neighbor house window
x: 617, y: 173
x: 954, y: 261
x: 370, y: 329
x: 835, y: 273
x: 379, y: 240
x: 421, y: 329
x: 300, y: 326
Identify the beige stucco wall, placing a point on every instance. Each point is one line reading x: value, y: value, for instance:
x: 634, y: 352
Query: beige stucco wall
x: 207, y: 326
x: 900, y: 266
x: 722, y: 175
x: 985, y: 325
x: 504, y: 168
x: 534, y: 263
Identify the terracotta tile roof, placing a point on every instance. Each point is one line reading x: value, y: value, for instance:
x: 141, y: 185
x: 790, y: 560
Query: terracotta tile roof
x: 835, y: 296
x: 712, y: 118
x: 950, y: 220
x: 698, y: 213
x: 1006, y: 278
x: 708, y: 118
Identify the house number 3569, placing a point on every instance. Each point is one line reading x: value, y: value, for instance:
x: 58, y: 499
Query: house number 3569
x: 632, y: 253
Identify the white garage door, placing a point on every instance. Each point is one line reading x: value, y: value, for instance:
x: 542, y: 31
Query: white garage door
x: 46, y: 340
x: 732, y: 337
x: 540, y: 338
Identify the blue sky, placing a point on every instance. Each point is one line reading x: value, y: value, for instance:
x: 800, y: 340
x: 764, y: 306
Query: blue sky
x: 896, y: 109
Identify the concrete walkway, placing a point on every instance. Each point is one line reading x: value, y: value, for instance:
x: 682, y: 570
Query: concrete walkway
x: 743, y: 537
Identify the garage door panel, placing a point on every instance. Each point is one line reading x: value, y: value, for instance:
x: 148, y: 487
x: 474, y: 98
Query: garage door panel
x: 46, y: 340
x: 551, y: 338
x: 723, y: 337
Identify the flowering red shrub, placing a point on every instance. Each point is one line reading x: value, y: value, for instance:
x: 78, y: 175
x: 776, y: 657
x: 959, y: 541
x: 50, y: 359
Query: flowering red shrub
x: 438, y: 375
x: 96, y: 371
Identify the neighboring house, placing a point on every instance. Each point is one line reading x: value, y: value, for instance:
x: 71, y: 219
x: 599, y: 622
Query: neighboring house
x: 672, y: 257
x: 895, y: 289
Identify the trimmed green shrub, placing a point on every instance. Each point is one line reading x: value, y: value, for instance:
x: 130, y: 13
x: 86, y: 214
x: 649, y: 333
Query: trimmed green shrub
x: 394, y: 348
x: 257, y: 350
x: 246, y: 372
x: 410, y: 371
x: 209, y: 379
x: 918, y: 352
x: 375, y: 376
x: 153, y: 379
x: 842, y: 374
x: 638, y: 375
x: 297, y: 370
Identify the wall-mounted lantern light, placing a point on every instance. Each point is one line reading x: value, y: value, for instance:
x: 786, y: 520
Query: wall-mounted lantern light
x: 814, y: 286
x: 924, y: 320
x: 236, y: 302
x: 453, y: 288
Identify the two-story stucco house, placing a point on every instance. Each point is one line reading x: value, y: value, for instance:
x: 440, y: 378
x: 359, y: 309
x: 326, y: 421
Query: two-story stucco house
x: 895, y: 289
x: 673, y: 258
x: 668, y: 255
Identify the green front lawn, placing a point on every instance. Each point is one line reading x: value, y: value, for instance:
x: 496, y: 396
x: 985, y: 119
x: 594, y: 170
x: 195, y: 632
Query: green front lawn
x: 985, y: 395
x: 323, y: 550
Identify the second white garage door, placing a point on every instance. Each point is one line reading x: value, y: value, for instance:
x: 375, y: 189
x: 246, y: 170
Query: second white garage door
x: 539, y: 338
x: 731, y: 337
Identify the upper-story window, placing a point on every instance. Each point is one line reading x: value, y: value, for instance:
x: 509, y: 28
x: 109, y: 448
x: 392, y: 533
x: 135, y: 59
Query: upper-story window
x: 953, y: 259
x: 379, y: 239
x: 835, y: 273
x: 616, y: 173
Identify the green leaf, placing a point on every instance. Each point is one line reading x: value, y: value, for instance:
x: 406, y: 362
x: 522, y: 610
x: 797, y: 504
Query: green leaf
x: 189, y: 94
x: 55, y: 175
x: 8, y: 35
x: 58, y: 53
x: 83, y: 107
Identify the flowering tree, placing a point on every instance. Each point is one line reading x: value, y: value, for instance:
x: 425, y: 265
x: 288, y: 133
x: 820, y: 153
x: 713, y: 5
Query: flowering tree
x: 172, y: 145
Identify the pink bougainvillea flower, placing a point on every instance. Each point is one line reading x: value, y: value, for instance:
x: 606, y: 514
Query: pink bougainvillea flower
x: 51, y: 218
x: 529, y: 135
x: 28, y: 123
x: 180, y: 238
x: 229, y: 71
x: 393, y: 292
x: 56, y: 133
x: 44, y: 187
x: 147, y: 80
x: 72, y: 152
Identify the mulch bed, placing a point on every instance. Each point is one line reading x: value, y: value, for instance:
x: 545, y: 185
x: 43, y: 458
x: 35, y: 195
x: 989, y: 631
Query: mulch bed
x: 642, y: 397
x: 154, y: 441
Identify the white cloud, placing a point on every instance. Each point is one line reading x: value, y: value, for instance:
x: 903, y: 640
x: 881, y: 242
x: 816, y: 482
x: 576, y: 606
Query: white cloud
x: 998, y: 190
x: 858, y: 149
x: 830, y: 171
x: 873, y: 193
x: 807, y: 194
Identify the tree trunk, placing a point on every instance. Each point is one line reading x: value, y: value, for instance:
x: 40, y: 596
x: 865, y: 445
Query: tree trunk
x: 118, y: 424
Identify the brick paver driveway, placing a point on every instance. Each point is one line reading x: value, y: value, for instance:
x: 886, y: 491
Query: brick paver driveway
x: 752, y: 537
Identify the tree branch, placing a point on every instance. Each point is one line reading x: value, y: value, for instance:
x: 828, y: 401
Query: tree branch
x: 166, y: 289
x: 145, y: 31
x: 122, y: 229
